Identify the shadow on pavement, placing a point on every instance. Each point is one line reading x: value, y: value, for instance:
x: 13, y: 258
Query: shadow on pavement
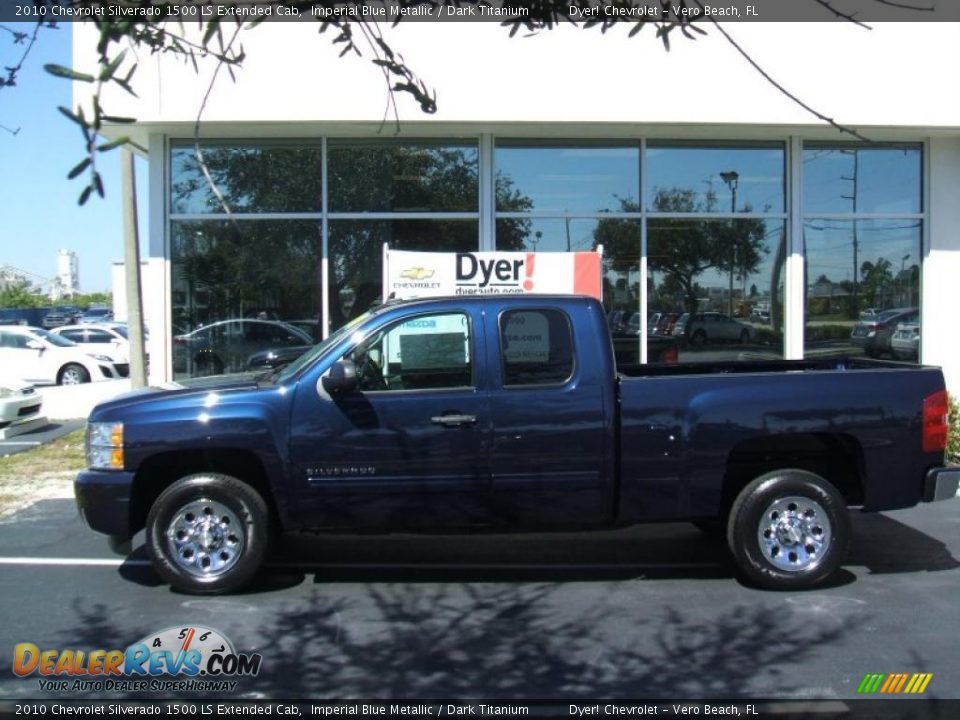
x: 398, y: 640
x: 665, y: 552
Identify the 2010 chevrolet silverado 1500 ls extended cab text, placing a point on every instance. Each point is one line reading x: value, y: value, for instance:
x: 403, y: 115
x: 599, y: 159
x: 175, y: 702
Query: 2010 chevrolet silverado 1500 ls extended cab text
x: 508, y: 413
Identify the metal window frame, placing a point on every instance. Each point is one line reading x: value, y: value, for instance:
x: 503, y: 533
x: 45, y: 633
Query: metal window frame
x: 486, y: 215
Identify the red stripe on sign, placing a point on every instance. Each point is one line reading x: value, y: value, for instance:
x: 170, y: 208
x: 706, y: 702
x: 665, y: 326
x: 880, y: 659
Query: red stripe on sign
x: 586, y: 275
x: 528, y: 283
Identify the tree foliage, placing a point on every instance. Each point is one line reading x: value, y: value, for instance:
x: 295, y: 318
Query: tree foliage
x: 21, y: 295
x: 683, y: 250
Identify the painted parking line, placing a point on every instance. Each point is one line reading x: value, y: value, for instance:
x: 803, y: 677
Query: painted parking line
x: 117, y: 562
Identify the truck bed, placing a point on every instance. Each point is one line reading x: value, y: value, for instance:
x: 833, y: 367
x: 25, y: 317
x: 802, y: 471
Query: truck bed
x: 739, y: 367
x: 684, y: 428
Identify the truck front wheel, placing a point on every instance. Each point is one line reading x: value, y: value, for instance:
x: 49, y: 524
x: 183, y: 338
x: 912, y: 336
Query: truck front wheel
x: 788, y: 529
x: 208, y: 533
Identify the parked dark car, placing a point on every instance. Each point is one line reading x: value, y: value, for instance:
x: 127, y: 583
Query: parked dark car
x: 96, y: 315
x: 873, y: 335
x: 663, y: 323
x: 62, y: 315
x: 508, y: 413
x: 275, y: 358
x: 226, y: 346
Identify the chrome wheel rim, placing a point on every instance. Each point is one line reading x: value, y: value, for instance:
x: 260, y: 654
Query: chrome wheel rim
x: 72, y: 376
x: 205, y: 538
x: 794, y: 534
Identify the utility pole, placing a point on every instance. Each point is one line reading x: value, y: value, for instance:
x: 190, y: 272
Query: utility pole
x: 131, y: 269
x: 732, y: 178
x: 856, y: 242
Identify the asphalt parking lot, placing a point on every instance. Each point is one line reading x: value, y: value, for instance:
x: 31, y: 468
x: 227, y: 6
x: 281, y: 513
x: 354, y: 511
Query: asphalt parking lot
x: 650, y: 612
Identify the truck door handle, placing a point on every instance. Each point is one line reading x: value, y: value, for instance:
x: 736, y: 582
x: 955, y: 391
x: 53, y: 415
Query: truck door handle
x: 453, y: 420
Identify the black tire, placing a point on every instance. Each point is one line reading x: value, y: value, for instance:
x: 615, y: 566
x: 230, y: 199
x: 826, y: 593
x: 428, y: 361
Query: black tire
x: 241, y: 556
x: 744, y: 336
x: 73, y: 374
x: 698, y: 339
x: 773, y: 539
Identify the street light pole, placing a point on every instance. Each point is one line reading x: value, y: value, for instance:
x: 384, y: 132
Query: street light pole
x: 903, y: 262
x: 732, y: 178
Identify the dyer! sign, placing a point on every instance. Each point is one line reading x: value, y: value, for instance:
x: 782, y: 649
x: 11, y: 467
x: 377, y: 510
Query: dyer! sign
x: 425, y: 274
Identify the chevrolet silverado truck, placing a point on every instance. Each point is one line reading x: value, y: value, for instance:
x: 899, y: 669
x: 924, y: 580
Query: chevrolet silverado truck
x: 509, y: 413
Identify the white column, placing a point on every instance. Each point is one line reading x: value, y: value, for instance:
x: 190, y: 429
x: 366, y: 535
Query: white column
x: 939, y: 305
x: 158, y: 291
x: 793, y: 271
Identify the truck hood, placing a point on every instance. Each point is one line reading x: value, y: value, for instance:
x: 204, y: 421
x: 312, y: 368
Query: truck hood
x: 222, y: 384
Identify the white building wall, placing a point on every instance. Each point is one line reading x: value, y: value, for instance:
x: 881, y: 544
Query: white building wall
x: 153, y: 297
x: 940, y: 304
x: 884, y: 76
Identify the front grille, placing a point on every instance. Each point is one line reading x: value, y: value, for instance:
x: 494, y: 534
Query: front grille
x: 123, y: 370
x: 28, y: 410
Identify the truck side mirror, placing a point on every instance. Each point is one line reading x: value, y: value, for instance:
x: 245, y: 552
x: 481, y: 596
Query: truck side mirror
x: 342, y: 377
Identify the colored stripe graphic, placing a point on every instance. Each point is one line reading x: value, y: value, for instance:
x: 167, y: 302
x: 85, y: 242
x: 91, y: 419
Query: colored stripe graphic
x: 894, y: 683
x: 870, y: 683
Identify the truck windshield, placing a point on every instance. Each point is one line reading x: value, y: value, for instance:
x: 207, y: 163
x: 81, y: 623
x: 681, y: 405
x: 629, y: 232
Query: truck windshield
x: 308, y: 357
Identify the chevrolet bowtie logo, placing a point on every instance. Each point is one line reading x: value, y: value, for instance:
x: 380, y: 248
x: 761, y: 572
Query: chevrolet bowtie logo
x: 417, y: 273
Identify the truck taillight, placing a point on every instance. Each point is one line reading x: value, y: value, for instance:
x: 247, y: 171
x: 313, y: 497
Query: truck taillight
x: 935, y: 424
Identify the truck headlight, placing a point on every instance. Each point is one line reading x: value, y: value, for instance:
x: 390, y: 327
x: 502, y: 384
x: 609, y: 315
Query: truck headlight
x: 105, y: 446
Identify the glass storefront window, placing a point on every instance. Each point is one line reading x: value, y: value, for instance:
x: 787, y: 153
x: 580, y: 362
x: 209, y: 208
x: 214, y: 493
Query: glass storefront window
x: 861, y: 180
x: 356, y: 257
x: 716, y: 288
x: 715, y: 179
x: 240, y: 289
x: 554, y: 234
x: 560, y: 179
x: 863, y: 281
x: 408, y: 177
x: 250, y: 179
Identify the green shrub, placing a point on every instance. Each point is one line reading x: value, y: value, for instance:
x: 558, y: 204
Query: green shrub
x: 953, y: 435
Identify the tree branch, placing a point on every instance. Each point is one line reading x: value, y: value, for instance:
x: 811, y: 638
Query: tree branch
x: 769, y: 78
x: 196, y: 126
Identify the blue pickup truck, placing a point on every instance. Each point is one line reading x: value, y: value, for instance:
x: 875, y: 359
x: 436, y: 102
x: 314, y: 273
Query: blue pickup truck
x: 508, y: 413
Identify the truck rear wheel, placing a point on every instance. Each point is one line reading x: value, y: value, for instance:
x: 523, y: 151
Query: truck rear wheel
x: 208, y: 533
x: 788, y: 529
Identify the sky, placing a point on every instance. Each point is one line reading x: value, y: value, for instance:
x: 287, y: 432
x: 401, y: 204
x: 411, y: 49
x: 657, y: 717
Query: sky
x: 39, y: 214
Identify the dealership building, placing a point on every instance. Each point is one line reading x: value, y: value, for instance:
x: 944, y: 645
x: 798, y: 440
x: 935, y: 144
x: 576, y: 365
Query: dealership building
x: 712, y: 193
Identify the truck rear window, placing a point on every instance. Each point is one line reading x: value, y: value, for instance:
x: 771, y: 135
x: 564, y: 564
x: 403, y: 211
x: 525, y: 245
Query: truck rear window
x: 536, y: 347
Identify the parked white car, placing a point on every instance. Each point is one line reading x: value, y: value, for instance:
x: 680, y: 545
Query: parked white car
x: 36, y: 355
x: 102, y: 339
x: 19, y: 410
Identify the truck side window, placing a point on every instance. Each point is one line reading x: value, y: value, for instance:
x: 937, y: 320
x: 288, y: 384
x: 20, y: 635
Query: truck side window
x: 427, y: 352
x: 537, y: 347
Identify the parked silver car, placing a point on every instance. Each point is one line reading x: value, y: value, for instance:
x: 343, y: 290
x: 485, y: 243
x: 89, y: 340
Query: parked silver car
x: 702, y: 328
x: 905, y: 343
